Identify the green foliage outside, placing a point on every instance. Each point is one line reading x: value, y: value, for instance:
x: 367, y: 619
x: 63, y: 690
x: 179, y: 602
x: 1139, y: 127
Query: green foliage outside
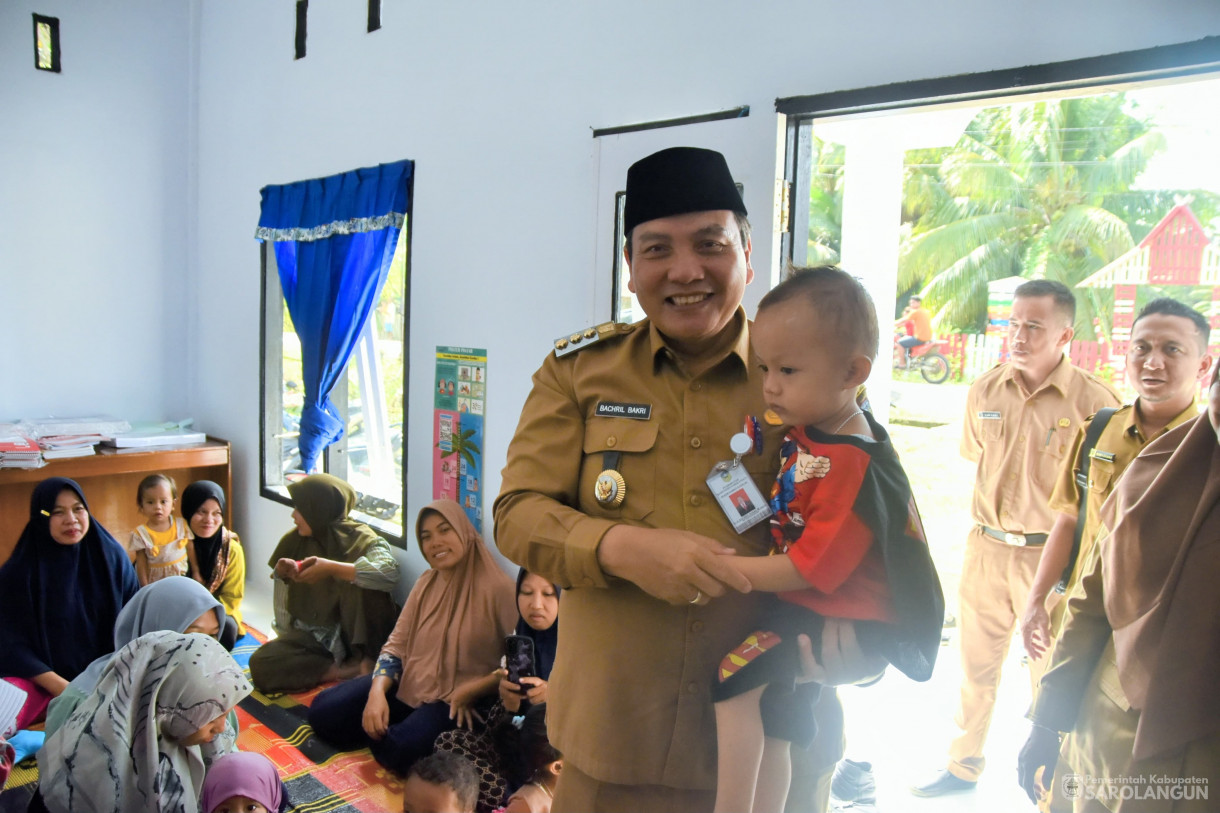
x: 1037, y: 190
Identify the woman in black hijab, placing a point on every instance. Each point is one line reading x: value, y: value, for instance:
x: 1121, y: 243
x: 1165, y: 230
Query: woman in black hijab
x: 222, y: 562
x: 60, y: 593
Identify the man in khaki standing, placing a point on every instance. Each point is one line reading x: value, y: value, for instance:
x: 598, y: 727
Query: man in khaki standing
x: 1166, y: 359
x: 605, y: 493
x: 1021, y: 419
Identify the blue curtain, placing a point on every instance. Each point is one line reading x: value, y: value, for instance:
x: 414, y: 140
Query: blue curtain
x: 334, y: 238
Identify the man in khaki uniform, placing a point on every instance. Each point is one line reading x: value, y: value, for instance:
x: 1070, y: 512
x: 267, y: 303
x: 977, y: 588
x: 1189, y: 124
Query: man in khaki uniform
x: 1021, y: 419
x: 1165, y: 361
x: 604, y: 492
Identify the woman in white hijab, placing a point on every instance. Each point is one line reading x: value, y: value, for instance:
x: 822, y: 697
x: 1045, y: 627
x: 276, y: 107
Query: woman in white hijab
x: 134, y: 744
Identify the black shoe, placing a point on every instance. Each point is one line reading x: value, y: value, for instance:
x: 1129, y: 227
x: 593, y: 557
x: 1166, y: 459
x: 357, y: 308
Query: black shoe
x: 853, y: 782
x: 944, y: 783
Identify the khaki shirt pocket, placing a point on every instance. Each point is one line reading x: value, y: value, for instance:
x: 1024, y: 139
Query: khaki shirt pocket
x: 1101, y: 477
x: 635, y: 440
x: 991, y: 430
x: 1057, y: 440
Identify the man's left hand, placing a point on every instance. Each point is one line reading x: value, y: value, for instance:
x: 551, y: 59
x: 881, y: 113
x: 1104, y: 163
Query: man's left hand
x: 842, y: 660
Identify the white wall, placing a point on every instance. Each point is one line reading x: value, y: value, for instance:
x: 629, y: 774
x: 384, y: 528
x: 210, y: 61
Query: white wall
x: 495, y: 103
x: 93, y: 211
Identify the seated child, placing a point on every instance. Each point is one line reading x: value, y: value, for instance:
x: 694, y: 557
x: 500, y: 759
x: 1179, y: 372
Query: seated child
x: 534, y: 764
x: 848, y: 539
x: 243, y: 782
x: 440, y: 783
x: 163, y: 545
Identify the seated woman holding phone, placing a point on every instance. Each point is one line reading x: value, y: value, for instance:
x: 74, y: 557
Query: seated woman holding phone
x: 529, y: 655
x: 439, y: 660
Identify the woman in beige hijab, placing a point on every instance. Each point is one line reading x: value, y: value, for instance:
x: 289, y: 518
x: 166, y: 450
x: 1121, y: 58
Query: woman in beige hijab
x: 1134, y: 673
x: 441, y: 656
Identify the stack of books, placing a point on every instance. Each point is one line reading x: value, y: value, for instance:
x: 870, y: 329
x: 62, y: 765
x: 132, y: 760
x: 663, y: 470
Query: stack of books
x: 18, y: 451
x: 57, y: 446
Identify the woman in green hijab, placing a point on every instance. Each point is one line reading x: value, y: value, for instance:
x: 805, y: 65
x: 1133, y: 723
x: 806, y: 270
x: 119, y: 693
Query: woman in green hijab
x: 333, y: 610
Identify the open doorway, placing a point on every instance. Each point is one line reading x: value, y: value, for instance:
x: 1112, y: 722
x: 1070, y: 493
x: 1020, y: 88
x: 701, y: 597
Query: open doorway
x: 1101, y: 174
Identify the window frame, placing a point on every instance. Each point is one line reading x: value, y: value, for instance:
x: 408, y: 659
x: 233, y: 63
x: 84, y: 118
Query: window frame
x: 271, y: 310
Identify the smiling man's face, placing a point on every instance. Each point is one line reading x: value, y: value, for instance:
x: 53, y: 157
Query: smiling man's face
x: 690, y: 272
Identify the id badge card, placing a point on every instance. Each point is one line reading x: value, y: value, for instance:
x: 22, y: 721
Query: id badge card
x: 735, y: 491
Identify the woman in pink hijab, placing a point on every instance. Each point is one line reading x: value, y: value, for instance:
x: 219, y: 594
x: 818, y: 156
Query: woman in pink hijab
x: 441, y: 657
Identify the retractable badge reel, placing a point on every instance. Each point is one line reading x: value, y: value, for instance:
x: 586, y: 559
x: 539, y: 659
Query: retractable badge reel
x: 734, y: 489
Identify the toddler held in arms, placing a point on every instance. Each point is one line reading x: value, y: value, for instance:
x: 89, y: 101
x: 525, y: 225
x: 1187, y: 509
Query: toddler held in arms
x: 848, y: 541
x: 163, y: 545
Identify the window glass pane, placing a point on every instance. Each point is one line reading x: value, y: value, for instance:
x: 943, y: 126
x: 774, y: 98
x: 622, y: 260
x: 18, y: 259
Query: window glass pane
x: 375, y: 402
x: 292, y: 397
x: 371, y: 401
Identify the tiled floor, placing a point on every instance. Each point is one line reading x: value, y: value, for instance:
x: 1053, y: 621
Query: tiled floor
x: 904, y: 728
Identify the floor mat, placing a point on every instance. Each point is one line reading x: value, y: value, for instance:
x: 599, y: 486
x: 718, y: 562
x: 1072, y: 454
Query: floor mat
x: 319, y: 779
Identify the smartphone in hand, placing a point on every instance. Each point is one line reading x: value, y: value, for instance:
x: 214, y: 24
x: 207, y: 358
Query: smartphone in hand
x: 519, y: 658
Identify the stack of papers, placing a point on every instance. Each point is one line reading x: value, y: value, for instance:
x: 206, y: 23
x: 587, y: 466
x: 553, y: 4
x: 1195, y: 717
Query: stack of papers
x: 177, y: 436
x: 103, y: 425
x: 57, y: 446
x: 16, y: 450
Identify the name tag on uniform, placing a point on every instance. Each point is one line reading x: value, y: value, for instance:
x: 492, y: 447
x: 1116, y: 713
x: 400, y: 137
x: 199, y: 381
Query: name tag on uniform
x: 734, y: 489
x: 1098, y: 454
x: 615, y: 409
x: 989, y: 416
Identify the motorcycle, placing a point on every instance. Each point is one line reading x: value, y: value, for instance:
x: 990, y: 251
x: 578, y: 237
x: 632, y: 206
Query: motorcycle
x: 929, y: 359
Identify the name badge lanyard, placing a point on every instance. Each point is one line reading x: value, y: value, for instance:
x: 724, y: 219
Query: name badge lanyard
x: 734, y: 489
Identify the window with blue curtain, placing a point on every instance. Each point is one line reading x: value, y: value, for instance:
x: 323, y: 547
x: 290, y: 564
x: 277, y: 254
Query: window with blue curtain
x: 334, y: 239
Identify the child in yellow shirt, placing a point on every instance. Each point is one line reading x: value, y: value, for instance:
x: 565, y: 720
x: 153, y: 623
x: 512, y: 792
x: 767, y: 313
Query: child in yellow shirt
x: 163, y: 544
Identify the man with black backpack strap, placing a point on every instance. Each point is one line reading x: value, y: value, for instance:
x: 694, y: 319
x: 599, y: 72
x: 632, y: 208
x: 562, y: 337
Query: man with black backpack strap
x: 1166, y: 358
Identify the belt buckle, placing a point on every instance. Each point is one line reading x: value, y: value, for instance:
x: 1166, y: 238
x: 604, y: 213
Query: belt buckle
x: 1015, y: 539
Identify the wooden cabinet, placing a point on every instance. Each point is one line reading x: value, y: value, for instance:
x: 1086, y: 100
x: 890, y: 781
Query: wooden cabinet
x: 109, y: 480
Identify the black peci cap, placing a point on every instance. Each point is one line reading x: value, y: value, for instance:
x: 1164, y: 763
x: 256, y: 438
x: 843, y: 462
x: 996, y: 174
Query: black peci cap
x: 678, y: 181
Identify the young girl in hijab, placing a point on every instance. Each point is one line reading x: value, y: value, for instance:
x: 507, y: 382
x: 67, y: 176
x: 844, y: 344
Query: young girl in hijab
x: 133, y: 745
x: 243, y: 783
x: 441, y: 654
x: 60, y: 593
x: 332, y: 593
x: 222, y: 562
x: 490, y: 752
x: 176, y: 605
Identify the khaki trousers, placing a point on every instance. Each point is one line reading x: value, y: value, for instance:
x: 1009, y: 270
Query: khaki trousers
x: 995, y: 583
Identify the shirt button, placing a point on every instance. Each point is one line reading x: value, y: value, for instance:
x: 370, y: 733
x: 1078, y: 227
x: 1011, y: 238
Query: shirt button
x: 692, y: 688
x: 695, y: 443
x: 697, y: 626
x: 610, y: 441
x: 696, y: 387
x: 696, y: 500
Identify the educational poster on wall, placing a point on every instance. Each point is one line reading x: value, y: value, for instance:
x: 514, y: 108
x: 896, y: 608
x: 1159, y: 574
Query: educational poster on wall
x: 460, y: 397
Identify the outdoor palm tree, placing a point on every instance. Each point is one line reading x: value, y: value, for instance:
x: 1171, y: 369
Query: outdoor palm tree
x: 1023, y: 193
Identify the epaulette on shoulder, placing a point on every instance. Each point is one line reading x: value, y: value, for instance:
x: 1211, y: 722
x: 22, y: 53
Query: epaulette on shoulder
x: 590, y: 336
